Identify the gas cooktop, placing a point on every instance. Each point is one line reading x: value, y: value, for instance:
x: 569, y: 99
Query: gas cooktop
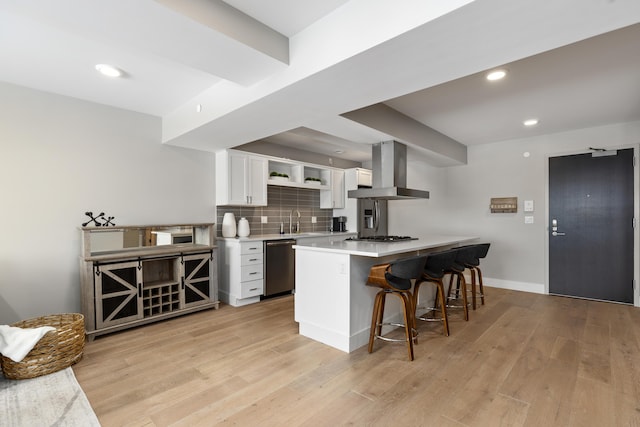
x: 387, y: 239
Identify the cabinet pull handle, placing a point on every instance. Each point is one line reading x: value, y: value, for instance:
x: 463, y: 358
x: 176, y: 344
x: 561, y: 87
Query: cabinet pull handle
x: 255, y: 272
x: 182, y: 282
x: 253, y: 289
x: 253, y: 259
x: 139, y: 290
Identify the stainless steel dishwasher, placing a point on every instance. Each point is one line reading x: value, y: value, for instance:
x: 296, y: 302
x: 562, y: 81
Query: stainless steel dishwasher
x: 279, y: 267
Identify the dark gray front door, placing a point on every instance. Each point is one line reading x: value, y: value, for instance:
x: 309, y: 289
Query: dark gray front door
x: 591, y: 226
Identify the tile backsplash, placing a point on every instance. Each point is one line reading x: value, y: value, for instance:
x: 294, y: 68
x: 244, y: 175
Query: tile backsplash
x: 282, y: 200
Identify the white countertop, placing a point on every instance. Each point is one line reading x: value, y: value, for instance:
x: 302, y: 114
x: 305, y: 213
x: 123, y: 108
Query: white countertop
x: 376, y: 250
x: 296, y: 236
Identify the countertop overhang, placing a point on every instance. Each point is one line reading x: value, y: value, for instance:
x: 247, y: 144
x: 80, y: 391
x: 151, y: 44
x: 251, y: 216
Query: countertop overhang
x: 381, y: 249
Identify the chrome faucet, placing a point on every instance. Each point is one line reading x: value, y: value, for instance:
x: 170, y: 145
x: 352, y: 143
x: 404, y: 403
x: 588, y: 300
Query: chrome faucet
x: 297, y: 228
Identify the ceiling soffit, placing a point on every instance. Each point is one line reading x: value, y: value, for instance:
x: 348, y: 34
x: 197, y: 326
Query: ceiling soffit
x: 409, y: 131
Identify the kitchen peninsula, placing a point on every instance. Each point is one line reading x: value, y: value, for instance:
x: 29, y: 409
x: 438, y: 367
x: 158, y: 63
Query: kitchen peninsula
x: 332, y: 303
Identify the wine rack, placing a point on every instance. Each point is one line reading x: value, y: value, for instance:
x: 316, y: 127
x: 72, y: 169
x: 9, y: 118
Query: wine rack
x: 161, y: 286
x: 160, y: 299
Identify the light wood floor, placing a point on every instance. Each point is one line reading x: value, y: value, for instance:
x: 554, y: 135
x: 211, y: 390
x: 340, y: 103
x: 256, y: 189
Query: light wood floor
x: 522, y: 360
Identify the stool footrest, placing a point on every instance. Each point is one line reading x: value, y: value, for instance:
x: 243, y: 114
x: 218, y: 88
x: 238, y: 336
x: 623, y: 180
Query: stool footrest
x: 430, y: 319
x: 429, y: 310
x: 457, y: 306
x: 414, y: 333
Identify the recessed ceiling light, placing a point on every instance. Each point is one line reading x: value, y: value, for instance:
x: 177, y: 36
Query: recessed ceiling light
x: 530, y: 122
x: 496, y: 75
x: 339, y: 151
x: 108, y: 70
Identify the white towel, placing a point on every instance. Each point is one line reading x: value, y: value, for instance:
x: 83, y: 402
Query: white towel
x: 16, y: 343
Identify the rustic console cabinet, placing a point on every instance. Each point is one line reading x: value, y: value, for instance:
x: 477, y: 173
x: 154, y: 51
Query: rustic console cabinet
x: 129, y: 276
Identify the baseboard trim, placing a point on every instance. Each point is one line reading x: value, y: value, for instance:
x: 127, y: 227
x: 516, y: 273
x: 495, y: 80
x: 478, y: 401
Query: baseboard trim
x: 536, y: 288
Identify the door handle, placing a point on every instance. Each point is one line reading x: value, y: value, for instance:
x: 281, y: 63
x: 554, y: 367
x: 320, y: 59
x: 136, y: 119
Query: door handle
x: 376, y: 215
x: 555, y: 233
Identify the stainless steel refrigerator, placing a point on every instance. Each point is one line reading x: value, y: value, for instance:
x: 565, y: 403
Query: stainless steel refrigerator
x: 372, y: 218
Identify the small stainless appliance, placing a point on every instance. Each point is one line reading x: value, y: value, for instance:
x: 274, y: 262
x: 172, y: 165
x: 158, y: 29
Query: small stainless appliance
x: 279, y: 267
x: 339, y: 223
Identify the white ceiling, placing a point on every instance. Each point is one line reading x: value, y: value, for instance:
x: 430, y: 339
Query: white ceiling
x: 222, y: 74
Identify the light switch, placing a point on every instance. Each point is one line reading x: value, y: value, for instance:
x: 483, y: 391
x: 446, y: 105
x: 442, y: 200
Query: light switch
x: 263, y: 219
x: 528, y: 219
x: 528, y: 205
x: 314, y: 220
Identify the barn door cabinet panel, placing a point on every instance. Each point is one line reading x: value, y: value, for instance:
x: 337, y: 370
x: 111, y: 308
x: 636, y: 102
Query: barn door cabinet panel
x: 129, y: 277
x: 116, y: 289
x: 196, y: 273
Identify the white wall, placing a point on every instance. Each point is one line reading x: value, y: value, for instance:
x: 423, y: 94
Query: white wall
x: 421, y: 216
x: 62, y: 157
x: 460, y: 197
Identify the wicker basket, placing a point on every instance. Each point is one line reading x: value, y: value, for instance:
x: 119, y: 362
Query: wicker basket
x: 56, y: 350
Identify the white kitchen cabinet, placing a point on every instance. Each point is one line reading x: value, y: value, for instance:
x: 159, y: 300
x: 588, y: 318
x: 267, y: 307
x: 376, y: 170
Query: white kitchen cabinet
x: 334, y: 197
x: 241, y: 271
x: 241, y: 179
x: 353, y: 179
x: 364, y: 177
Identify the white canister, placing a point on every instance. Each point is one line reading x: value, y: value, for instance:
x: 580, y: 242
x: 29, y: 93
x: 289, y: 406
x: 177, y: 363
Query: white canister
x: 243, y: 228
x: 229, y: 225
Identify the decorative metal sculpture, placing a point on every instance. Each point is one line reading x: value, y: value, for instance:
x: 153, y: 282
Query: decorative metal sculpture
x: 96, y: 220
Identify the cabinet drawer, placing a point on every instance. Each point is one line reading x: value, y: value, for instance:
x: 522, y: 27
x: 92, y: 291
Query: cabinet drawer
x: 250, y: 259
x: 251, y: 288
x: 251, y: 272
x: 251, y: 247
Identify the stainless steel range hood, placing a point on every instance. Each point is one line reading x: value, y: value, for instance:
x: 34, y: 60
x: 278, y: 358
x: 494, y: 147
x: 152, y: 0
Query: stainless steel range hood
x: 389, y: 159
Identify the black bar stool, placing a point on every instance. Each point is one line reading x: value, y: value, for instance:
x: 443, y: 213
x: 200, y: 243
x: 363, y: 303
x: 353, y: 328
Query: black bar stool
x: 434, y: 271
x: 395, y: 278
x: 473, y: 264
x: 457, y: 270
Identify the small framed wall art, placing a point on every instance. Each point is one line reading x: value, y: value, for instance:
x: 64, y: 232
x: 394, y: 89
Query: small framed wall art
x: 504, y: 205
